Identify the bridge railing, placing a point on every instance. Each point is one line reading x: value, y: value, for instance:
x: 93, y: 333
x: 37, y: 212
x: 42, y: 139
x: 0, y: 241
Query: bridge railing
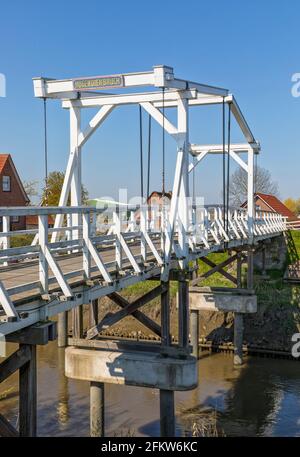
x: 131, y: 238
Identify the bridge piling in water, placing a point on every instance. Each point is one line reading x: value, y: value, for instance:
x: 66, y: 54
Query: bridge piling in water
x: 97, y: 409
x: 28, y: 393
x: 24, y: 361
x: 194, y: 325
x: 167, y: 413
x: 62, y: 329
x: 238, y: 338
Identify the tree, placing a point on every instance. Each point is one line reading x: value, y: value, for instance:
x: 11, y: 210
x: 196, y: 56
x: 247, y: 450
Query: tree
x: 293, y: 205
x: 262, y: 183
x: 52, y: 191
x: 30, y: 188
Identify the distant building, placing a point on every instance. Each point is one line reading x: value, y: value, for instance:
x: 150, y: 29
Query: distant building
x: 270, y: 203
x: 156, y: 201
x: 32, y: 222
x: 12, y: 192
x: 156, y: 198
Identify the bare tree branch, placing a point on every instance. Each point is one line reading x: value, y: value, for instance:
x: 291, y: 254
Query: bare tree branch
x: 262, y: 183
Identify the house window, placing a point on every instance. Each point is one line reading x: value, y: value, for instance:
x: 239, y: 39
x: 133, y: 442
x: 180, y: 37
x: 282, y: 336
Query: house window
x: 15, y: 218
x: 6, y: 183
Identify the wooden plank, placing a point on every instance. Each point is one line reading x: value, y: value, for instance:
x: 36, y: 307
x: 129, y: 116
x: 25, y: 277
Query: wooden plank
x: 14, y: 362
x: 28, y: 394
x: 112, y: 319
x: 139, y: 315
x: 6, y: 429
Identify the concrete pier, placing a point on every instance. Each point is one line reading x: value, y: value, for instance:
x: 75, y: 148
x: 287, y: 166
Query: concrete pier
x: 133, y: 368
x: 239, y: 301
x: 223, y: 299
x: 97, y: 420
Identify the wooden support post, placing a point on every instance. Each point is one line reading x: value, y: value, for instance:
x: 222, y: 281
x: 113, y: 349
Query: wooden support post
x: 167, y: 413
x: 183, y: 313
x: 93, y: 314
x: 77, y: 324
x: 62, y: 329
x: 250, y: 283
x: 28, y: 394
x: 194, y: 324
x: 97, y: 409
x: 165, y: 315
x: 264, y: 261
x: 239, y: 270
x: 238, y: 338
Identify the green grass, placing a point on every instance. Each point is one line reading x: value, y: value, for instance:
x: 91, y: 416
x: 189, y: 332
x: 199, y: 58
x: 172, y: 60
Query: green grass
x: 293, y: 238
x: 21, y: 240
x: 217, y: 279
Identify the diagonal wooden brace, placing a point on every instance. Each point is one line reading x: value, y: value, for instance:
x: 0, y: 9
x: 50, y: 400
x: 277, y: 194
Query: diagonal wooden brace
x: 57, y: 273
x: 111, y: 319
x: 217, y: 269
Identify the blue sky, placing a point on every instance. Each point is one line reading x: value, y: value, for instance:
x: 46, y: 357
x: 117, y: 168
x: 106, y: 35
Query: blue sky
x: 251, y: 48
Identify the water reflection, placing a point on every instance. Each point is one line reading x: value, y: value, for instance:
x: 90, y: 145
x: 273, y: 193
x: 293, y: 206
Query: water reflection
x: 260, y: 398
x: 63, y: 390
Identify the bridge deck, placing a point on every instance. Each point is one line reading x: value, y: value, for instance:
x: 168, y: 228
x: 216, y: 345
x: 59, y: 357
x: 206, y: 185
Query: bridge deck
x: 43, y: 280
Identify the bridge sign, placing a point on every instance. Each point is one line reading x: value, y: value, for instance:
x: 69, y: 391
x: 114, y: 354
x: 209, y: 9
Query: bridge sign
x: 98, y: 82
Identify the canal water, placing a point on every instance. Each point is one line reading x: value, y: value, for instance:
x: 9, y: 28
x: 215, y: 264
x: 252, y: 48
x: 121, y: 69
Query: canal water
x: 261, y: 398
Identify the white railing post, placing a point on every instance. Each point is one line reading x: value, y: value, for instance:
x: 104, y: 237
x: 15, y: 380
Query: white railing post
x: 143, y: 229
x: 76, y: 200
x: 250, y: 196
x: 43, y: 264
x: 86, y: 256
x: 117, y: 224
x: 184, y: 194
x: 93, y: 229
x: 6, y: 238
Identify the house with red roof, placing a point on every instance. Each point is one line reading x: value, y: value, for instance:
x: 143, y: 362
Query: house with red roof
x: 266, y: 202
x: 12, y: 192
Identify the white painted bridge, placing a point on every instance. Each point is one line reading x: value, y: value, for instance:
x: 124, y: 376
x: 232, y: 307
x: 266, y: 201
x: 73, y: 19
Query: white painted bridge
x: 74, y: 263
x: 47, y: 277
x: 79, y: 260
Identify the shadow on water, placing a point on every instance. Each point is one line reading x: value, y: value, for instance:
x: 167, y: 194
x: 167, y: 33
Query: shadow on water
x: 261, y: 398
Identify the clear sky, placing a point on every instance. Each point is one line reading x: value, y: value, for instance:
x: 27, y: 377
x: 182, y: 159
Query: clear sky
x: 251, y: 48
